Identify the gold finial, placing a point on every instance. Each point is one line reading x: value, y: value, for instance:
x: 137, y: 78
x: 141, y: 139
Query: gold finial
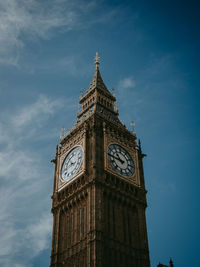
x: 96, y: 62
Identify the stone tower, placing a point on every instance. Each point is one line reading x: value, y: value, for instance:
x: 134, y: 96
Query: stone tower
x: 99, y: 196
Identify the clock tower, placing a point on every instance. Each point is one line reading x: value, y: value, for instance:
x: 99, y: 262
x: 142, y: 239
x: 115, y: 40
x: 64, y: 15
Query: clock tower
x: 99, y: 195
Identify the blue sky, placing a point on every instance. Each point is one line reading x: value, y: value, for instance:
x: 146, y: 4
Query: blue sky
x: 149, y: 53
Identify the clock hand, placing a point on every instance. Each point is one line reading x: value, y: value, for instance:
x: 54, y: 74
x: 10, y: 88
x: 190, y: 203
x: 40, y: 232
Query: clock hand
x: 121, y: 160
x: 118, y: 158
x: 70, y: 164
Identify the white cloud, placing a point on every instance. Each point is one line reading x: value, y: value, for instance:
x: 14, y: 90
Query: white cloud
x: 22, y: 21
x: 38, y: 234
x: 18, y: 164
x: 127, y: 82
x: 29, y: 19
x: 24, y: 185
x: 7, y: 233
x: 31, y: 113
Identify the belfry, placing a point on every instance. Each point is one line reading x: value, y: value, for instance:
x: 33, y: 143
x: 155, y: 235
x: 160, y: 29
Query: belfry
x: 99, y: 195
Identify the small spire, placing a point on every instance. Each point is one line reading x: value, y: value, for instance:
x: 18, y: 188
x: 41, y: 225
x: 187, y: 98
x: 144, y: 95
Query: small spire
x: 81, y: 92
x: 81, y: 95
x: 133, y: 125
x: 140, y: 149
x: 139, y: 143
x: 133, y: 128
x: 113, y: 91
x: 115, y: 103
x: 171, y: 263
x: 96, y: 62
x: 97, y: 81
x: 62, y: 132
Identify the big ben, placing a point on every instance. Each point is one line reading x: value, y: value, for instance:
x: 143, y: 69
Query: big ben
x: 99, y: 195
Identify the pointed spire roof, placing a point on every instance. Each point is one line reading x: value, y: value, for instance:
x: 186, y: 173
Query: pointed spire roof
x: 97, y: 81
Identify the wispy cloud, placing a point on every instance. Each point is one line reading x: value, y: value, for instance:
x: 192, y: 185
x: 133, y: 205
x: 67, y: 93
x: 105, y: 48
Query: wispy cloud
x: 25, y: 230
x: 38, y: 232
x: 30, y: 114
x: 31, y: 20
x: 156, y: 83
x: 127, y: 82
x: 19, y: 164
x: 28, y: 19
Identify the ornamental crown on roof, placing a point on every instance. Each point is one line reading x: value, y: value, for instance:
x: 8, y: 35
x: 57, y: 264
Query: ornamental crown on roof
x: 97, y: 97
x: 97, y: 101
x: 97, y: 81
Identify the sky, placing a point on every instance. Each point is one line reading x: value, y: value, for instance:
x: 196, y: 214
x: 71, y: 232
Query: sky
x: 149, y: 52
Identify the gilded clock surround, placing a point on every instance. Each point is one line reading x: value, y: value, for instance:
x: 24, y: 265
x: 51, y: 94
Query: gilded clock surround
x: 128, y: 142
x: 120, y: 160
x: 72, y: 163
x: 65, y: 150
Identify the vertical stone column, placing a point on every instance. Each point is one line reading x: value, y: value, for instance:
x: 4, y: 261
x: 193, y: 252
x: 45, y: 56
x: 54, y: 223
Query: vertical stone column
x: 54, y: 254
x: 144, y: 255
x: 91, y: 226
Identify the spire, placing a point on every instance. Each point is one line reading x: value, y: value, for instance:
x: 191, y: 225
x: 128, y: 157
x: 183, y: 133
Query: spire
x: 171, y: 263
x: 133, y: 128
x: 142, y: 155
x: 97, y: 60
x: 62, y: 132
x: 97, y: 81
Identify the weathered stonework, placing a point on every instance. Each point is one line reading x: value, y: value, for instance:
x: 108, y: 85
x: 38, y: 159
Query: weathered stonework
x: 99, y: 215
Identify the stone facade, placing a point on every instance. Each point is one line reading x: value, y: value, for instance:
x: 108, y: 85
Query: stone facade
x: 99, y: 214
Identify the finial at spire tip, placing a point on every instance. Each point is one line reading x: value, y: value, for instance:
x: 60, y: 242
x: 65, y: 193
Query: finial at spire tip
x: 96, y: 62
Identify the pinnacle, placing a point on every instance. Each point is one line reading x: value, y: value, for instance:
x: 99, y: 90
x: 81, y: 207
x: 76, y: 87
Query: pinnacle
x: 97, y: 81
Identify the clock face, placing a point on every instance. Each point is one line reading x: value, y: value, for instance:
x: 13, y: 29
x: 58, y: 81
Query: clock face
x: 120, y: 160
x: 72, y: 163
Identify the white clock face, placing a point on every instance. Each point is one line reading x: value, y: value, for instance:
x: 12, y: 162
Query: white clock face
x: 72, y: 163
x: 120, y: 160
